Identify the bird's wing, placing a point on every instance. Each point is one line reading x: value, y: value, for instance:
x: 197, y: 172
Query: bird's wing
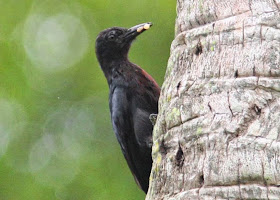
x: 143, y: 128
x: 122, y: 121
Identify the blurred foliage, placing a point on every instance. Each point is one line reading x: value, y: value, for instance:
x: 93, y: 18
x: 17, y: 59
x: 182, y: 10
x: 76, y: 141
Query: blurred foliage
x: 56, y: 136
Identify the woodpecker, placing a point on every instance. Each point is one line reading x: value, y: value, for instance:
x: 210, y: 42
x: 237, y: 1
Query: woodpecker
x: 133, y: 97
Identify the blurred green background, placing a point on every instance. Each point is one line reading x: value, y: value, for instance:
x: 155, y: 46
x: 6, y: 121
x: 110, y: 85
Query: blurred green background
x: 56, y: 138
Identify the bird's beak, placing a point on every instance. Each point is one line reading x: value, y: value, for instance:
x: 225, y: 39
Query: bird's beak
x: 134, y: 31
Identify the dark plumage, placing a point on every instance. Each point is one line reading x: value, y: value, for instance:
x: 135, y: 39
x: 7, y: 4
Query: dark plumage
x: 133, y: 97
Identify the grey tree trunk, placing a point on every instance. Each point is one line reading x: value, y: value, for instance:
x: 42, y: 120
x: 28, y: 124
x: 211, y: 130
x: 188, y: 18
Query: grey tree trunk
x: 217, y: 133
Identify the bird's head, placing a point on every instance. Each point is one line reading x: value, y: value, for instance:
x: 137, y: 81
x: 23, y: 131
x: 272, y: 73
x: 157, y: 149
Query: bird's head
x: 114, y: 43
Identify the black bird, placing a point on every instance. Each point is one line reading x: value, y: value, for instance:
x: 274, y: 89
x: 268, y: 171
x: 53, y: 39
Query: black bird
x: 133, y: 97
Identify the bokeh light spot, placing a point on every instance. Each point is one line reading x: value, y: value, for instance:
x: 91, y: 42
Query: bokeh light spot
x: 12, y: 122
x: 5, y: 137
x: 42, y: 152
x: 68, y: 132
x: 55, y: 43
x: 78, y: 130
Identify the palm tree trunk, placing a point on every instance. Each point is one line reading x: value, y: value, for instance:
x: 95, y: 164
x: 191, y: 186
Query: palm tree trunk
x: 217, y: 132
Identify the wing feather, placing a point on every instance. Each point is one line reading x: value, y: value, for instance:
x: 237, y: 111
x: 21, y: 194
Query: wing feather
x: 122, y: 121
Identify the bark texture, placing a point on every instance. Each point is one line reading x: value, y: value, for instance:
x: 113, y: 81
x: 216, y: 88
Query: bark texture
x: 217, y: 132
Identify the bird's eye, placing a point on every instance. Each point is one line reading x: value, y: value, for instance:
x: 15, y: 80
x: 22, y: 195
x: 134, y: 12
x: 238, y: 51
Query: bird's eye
x: 111, y: 37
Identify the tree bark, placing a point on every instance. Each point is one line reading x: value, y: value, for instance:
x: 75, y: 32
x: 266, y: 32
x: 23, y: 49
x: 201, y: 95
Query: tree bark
x: 217, y: 132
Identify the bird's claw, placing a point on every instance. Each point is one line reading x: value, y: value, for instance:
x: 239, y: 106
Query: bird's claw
x: 153, y: 118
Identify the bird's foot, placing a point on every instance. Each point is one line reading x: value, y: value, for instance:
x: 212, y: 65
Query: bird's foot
x: 153, y: 118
